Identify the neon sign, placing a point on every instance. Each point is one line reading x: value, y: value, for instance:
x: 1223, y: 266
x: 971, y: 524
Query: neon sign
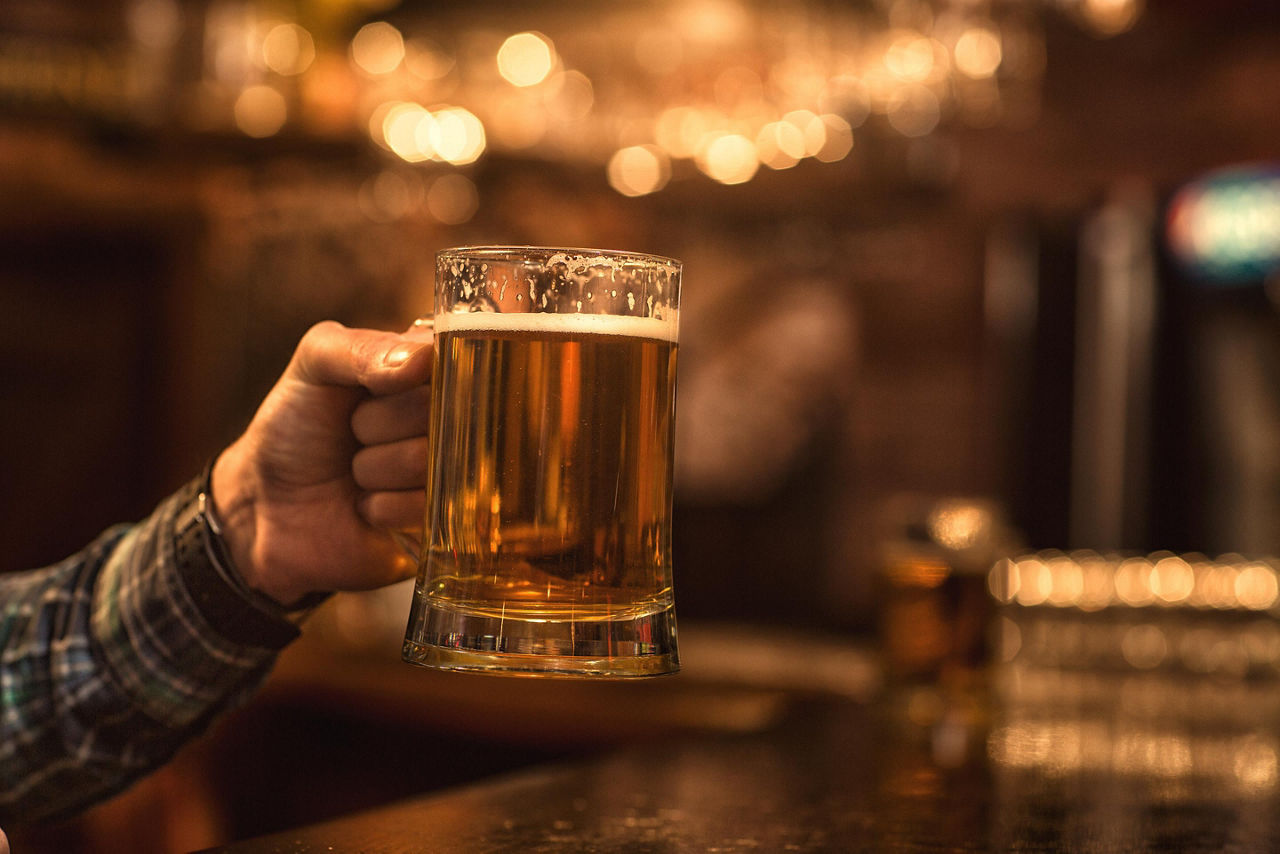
x: 1226, y: 225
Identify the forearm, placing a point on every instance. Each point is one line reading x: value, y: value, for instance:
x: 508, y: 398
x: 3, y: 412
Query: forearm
x: 115, y: 657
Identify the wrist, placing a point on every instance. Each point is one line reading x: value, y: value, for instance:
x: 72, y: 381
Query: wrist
x: 203, y: 568
x: 235, y: 503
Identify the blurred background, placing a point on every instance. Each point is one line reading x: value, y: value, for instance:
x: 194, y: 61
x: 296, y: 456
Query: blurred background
x: 962, y: 278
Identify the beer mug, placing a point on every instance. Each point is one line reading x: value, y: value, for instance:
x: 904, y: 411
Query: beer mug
x: 547, y: 539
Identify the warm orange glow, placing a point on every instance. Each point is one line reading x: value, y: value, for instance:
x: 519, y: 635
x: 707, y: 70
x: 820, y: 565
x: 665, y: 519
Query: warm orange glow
x: 1256, y: 587
x: 455, y: 135
x: 1254, y: 764
x: 1066, y: 582
x: 914, y: 110
x: 681, y: 130
x: 1144, y: 646
x: 910, y: 57
x: 400, y: 131
x: 389, y: 195
x: 1061, y: 746
x: 958, y: 525
x: 1091, y: 582
x: 978, y: 53
x: 730, y: 159
x: 155, y: 23
x: 518, y: 119
x: 426, y: 60
x: 260, y: 111
x: 638, y: 170
x: 525, y: 59
x: 1172, y: 580
x: 1098, y: 583
x: 571, y: 96
x: 919, y: 571
x: 377, y: 48
x: 846, y: 95
x: 453, y: 200
x: 780, y: 145
x: 1035, y: 582
x: 288, y: 49
x: 838, y: 139
x: 1111, y: 17
x: 1133, y: 582
x: 659, y: 50
x: 725, y: 83
x: 712, y: 21
x: 1003, y: 581
x: 378, y: 120
x: 811, y: 128
x: 737, y: 87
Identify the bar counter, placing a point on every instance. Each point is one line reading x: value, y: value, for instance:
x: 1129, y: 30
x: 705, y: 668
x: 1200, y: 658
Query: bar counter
x: 1018, y: 757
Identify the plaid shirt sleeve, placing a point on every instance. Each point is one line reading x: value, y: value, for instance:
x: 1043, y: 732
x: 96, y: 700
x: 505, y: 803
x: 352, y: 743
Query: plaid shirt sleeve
x: 113, y: 658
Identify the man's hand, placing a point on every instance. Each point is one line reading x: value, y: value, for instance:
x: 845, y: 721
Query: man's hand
x: 335, y: 456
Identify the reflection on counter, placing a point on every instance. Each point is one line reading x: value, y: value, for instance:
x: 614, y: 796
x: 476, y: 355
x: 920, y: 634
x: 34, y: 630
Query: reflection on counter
x: 1139, y: 684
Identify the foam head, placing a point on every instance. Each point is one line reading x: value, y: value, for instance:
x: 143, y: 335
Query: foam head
x: 662, y: 329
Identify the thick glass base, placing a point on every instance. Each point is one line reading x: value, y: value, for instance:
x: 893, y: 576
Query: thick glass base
x: 637, y: 645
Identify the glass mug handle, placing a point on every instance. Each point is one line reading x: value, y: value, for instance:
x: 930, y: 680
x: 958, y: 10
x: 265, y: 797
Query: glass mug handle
x: 410, y: 544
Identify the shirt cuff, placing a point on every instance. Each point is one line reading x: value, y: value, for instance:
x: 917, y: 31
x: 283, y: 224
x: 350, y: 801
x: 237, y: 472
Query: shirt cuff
x: 203, y: 563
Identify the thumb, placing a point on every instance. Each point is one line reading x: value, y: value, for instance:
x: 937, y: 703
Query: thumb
x: 382, y: 362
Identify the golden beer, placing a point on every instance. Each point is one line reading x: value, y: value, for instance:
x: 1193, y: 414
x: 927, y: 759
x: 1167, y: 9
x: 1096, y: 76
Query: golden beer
x: 548, y: 538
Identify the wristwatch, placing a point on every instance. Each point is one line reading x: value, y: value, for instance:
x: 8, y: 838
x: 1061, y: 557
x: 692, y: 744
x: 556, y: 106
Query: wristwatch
x: 204, y: 564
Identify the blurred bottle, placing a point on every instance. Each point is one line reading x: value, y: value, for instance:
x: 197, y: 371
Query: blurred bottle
x: 935, y: 608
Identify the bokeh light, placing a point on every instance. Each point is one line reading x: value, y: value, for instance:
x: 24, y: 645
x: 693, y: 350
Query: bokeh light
x: 910, y: 57
x: 978, y: 53
x: 1111, y: 17
x: 288, y: 49
x: 913, y: 110
x: 525, y: 59
x: 1256, y: 587
x: 838, y: 139
x: 681, y: 130
x: 638, y: 170
x: 456, y: 135
x: 780, y: 145
x: 730, y: 159
x: 400, y: 126
x: 260, y: 111
x: 1172, y: 580
x: 377, y: 48
x: 426, y: 60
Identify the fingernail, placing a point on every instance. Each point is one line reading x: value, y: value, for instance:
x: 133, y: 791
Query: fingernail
x: 399, y: 355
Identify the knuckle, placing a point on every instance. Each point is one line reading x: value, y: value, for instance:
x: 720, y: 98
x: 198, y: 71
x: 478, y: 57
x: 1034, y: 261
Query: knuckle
x: 322, y: 330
